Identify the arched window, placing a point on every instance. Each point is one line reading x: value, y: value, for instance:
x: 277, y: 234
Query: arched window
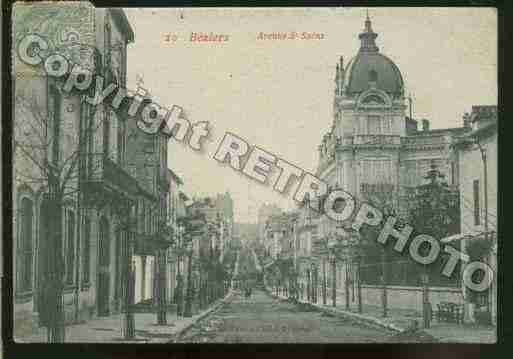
x: 25, y: 247
x: 70, y: 246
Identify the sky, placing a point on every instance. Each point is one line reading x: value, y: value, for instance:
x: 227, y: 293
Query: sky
x: 278, y: 94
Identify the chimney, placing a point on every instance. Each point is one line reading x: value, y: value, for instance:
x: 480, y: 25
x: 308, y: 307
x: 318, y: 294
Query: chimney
x: 466, y: 120
x: 411, y: 126
x: 425, y: 125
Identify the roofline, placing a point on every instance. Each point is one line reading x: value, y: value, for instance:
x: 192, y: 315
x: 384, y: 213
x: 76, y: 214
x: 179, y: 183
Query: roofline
x: 175, y: 176
x: 436, y: 130
x: 120, y: 17
x: 352, y: 63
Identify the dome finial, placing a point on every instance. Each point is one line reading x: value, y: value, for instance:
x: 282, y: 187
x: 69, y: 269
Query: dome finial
x: 368, y: 36
x: 368, y: 24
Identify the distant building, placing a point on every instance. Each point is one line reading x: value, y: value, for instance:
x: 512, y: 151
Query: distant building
x: 278, y: 235
x: 264, y: 212
x: 218, y: 212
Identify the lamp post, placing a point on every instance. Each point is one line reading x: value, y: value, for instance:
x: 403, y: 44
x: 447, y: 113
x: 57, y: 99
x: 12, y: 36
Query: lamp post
x: 333, y: 261
x: 179, y: 280
x: 308, y: 285
x: 313, y: 285
x: 351, y: 240
x: 426, y: 307
x: 188, y: 295
x: 384, y: 293
x: 129, y: 271
x: 324, y: 289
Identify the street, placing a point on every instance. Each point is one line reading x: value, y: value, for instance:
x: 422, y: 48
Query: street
x: 263, y: 319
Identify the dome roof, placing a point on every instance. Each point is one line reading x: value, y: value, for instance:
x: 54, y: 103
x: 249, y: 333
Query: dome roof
x: 372, y: 67
x: 369, y: 68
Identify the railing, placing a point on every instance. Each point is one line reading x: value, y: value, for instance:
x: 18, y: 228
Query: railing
x: 102, y: 169
x: 424, y: 140
x: 377, y: 140
x: 370, y: 188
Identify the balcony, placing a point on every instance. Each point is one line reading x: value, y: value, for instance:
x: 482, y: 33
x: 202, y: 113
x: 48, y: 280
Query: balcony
x: 104, y: 176
x: 373, y: 188
x: 433, y: 140
x: 377, y: 140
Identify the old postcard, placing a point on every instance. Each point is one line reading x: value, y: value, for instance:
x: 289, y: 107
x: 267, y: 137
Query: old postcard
x: 254, y: 175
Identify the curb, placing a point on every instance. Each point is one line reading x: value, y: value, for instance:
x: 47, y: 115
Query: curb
x: 359, y: 318
x: 202, y: 315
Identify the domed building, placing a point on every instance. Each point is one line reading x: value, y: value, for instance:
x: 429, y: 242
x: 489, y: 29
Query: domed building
x: 379, y: 155
x: 372, y: 141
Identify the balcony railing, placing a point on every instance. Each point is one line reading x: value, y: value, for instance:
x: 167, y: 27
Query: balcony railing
x: 424, y: 140
x: 104, y: 171
x: 373, y: 188
x: 377, y: 140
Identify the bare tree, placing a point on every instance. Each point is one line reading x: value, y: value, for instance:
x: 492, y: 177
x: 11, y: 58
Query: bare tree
x: 49, y: 151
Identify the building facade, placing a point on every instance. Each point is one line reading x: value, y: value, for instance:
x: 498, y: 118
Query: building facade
x: 88, y: 187
x: 374, y: 151
x: 477, y: 153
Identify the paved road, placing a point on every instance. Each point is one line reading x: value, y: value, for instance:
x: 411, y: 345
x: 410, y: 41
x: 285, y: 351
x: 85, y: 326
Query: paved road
x: 263, y: 319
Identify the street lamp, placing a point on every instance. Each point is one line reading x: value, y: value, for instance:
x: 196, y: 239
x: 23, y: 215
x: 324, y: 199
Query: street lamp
x: 313, y: 276
x: 188, y: 299
x: 179, y: 280
x: 129, y: 270
x: 350, y: 239
x: 332, y: 243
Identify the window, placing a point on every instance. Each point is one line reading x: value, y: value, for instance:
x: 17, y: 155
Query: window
x: 86, y: 256
x: 25, y: 246
x: 373, y: 125
x: 376, y: 171
x: 477, y: 219
x: 387, y: 127
x: 70, y: 248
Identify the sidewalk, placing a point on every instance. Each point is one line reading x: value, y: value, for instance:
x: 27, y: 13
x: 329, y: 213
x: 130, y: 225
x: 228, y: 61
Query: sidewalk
x: 109, y: 329
x: 400, y: 320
